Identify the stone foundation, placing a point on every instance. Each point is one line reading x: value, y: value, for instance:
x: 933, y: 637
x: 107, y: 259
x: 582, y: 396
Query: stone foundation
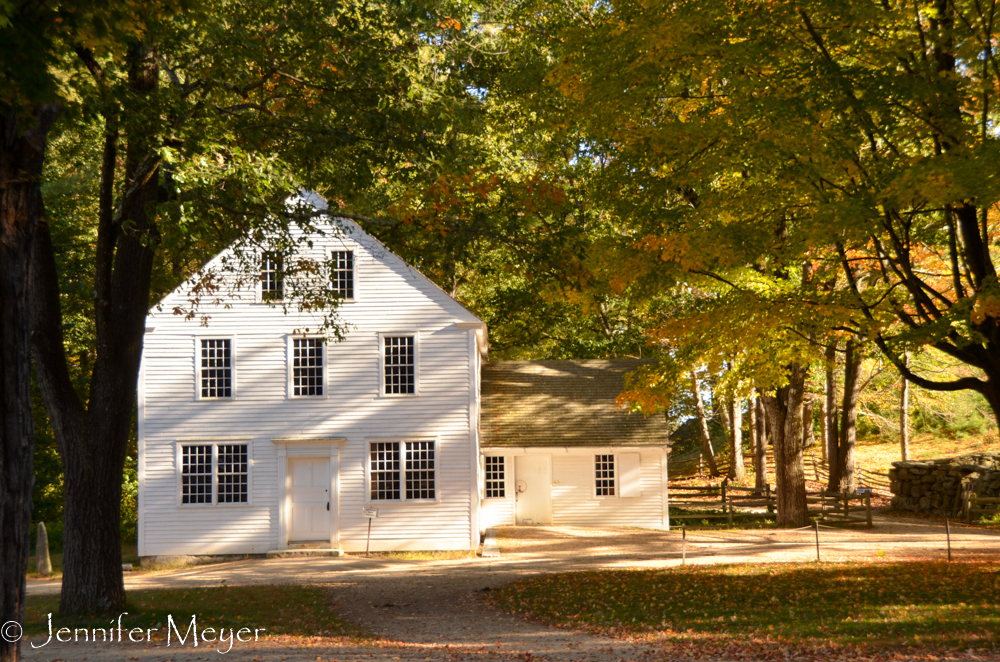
x: 937, y: 486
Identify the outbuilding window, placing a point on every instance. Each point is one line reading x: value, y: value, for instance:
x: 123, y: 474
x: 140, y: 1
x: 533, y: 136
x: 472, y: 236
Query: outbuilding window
x: 604, y: 467
x: 495, y: 484
x: 215, y: 473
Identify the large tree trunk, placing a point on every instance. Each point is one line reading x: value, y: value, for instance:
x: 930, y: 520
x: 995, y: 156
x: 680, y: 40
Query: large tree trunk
x: 760, y: 446
x: 849, y: 419
x: 22, y: 154
x: 737, y: 472
x: 706, y: 439
x: 93, y: 440
x: 784, y: 408
x: 832, y: 440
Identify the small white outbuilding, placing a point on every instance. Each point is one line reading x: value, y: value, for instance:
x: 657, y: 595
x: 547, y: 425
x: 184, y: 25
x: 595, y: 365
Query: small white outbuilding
x: 557, y: 449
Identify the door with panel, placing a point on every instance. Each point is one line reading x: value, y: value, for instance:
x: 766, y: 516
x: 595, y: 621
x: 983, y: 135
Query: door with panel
x: 309, y: 496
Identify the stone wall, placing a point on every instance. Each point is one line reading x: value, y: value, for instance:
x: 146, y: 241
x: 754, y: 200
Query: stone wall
x: 936, y: 486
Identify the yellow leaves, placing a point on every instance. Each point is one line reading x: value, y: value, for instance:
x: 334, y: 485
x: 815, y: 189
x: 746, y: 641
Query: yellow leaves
x: 987, y: 305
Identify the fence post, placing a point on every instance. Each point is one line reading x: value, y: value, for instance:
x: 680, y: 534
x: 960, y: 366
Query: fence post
x: 729, y: 510
x: 684, y: 544
x: 816, y: 529
x: 868, y: 509
x: 947, y: 532
x: 815, y: 468
x: 847, y: 508
x: 767, y: 493
x: 725, y: 481
x: 700, y: 465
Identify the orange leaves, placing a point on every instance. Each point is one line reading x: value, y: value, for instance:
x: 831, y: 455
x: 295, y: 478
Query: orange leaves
x: 449, y: 23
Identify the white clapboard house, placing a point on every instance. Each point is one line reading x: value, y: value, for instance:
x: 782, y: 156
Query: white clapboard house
x: 256, y: 437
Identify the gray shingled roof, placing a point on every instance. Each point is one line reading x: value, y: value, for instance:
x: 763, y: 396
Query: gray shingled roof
x: 562, y: 403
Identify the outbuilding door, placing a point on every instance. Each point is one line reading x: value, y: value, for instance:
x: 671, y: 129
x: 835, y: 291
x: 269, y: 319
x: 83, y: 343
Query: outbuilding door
x: 533, y: 487
x: 309, y: 494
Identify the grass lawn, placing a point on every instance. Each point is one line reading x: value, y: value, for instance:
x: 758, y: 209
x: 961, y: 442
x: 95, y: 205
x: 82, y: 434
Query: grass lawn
x: 299, y: 611
x: 878, y: 453
x: 739, y: 611
x: 130, y: 554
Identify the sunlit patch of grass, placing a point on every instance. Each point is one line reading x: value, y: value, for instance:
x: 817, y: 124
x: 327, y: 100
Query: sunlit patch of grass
x: 868, y: 605
x: 300, y: 611
x: 445, y: 555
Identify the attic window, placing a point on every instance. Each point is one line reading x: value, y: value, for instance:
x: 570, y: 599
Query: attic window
x: 342, y: 274
x: 604, y: 466
x: 271, y: 278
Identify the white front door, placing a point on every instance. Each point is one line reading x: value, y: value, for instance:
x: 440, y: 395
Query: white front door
x: 309, y: 493
x: 533, y: 484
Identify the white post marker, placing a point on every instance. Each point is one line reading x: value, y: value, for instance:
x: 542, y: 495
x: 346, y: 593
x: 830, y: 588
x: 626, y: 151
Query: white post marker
x: 371, y: 513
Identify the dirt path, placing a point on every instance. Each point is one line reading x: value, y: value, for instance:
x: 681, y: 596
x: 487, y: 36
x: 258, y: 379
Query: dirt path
x: 433, y: 610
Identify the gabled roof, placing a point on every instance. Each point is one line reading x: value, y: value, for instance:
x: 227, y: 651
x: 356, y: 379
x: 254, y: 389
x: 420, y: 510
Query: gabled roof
x: 562, y: 403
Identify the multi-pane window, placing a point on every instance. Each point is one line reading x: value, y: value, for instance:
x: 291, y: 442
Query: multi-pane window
x: 271, y: 277
x: 216, y: 368
x: 604, y: 466
x: 215, y: 473
x: 384, y: 478
x: 402, y: 471
x: 495, y: 477
x: 420, y: 470
x: 342, y: 273
x: 307, y: 366
x: 232, y: 474
x: 399, y: 365
x: 196, y: 474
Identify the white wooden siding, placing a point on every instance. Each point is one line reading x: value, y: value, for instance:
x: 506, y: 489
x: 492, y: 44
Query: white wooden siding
x: 573, y: 500
x: 390, y: 296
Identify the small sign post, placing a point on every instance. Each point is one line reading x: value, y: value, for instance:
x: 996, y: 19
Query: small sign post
x: 371, y: 513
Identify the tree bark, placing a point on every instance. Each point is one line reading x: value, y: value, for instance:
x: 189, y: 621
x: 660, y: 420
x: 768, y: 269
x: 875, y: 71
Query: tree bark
x: 93, y: 439
x: 760, y: 447
x: 784, y: 408
x: 706, y: 439
x: 904, y: 418
x: 737, y: 472
x: 824, y: 423
x: 849, y: 420
x: 832, y: 437
x: 23, y: 141
x: 808, y: 435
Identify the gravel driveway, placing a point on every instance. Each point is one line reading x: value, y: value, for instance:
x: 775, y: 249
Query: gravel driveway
x: 433, y: 610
